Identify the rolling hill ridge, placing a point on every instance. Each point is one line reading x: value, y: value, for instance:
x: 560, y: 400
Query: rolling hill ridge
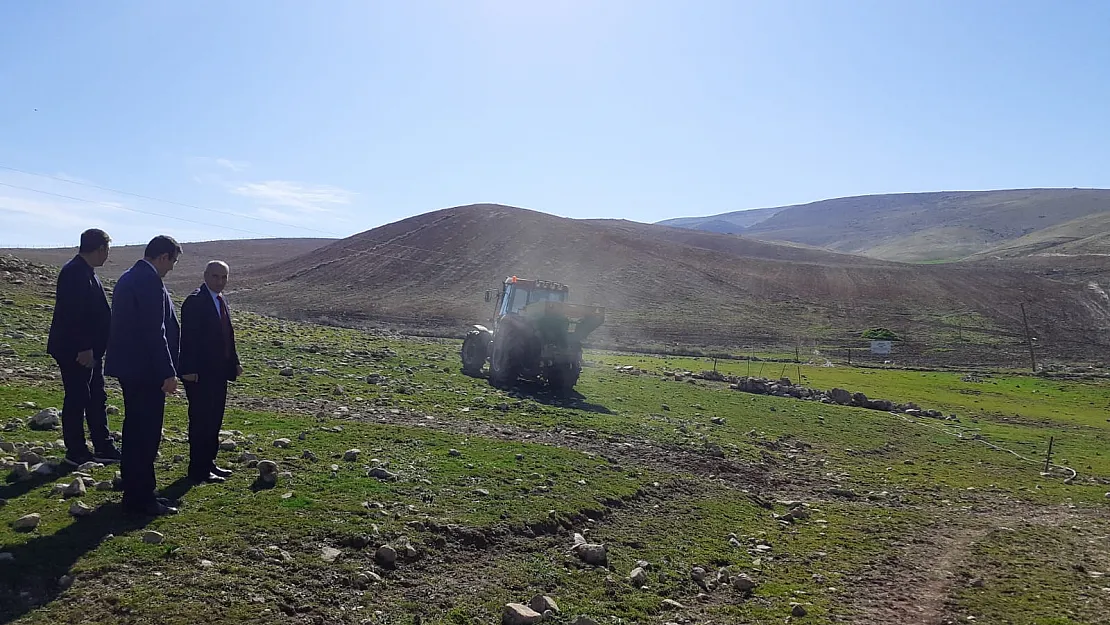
x: 240, y: 254
x: 916, y: 226
x: 662, y: 285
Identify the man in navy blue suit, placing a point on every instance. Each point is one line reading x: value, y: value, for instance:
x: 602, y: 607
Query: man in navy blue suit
x: 209, y: 361
x: 78, y: 338
x: 142, y: 354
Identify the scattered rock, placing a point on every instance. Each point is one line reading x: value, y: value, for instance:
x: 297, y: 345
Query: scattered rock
x: 638, y: 576
x: 22, y: 471
x: 152, y: 537
x: 593, y: 554
x: 112, y: 410
x: 329, y: 554
x: 743, y: 583
x: 519, y: 614
x: 76, y: 488
x: 840, y: 396
x: 43, y: 469
x: 351, y: 455
x: 798, y: 610
x: 267, y: 471
x: 386, y: 555
x: 698, y: 574
x: 283, y: 443
x: 47, y: 419
x: 228, y: 445
x: 308, y: 455
x: 673, y: 605
x: 78, y: 508
x: 27, y: 522
x: 286, y: 372
x: 543, y: 604
x: 382, y: 474
x: 30, y: 457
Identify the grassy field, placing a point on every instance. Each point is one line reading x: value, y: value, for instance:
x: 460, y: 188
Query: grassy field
x: 907, y: 520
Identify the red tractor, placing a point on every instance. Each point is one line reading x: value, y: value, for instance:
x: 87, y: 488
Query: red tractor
x: 536, y: 335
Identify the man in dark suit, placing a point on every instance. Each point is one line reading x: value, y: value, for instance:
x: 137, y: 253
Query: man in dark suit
x: 78, y: 338
x: 142, y: 354
x: 209, y: 361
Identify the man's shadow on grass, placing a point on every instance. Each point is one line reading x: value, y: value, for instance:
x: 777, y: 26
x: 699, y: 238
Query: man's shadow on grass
x: 39, y: 570
x: 14, y: 487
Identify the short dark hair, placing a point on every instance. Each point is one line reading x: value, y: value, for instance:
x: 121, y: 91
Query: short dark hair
x: 162, y: 244
x: 93, y: 239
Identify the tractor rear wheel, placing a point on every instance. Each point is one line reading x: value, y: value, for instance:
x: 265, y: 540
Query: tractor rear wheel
x: 562, y: 378
x: 473, y: 352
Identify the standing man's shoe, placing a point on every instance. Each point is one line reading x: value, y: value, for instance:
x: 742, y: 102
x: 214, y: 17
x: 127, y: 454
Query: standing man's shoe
x: 224, y: 473
x: 211, y: 478
x: 107, y: 455
x: 154, y: 508
x: 77, y: 458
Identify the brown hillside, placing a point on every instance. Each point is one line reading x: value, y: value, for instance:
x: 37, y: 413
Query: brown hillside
x: 240, y: 254
x: 662, y: 285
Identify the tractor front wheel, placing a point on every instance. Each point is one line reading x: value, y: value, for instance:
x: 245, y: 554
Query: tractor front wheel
x: 473, y: 352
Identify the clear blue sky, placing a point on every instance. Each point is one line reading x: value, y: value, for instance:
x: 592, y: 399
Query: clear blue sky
x: 341, y: 116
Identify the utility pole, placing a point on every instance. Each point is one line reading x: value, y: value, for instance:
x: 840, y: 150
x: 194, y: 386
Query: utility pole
x: 1028, y: 339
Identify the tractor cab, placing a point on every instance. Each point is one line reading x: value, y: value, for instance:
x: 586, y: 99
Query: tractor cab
x: 517, y: 293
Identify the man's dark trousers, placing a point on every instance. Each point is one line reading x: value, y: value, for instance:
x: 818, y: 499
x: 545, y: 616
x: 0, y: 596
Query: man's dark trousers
x: 207, y: 398
x: 85, y: 402
x: 144, y: 403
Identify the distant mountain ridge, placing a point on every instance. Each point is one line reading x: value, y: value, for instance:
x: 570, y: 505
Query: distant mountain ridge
x: 947, y: 225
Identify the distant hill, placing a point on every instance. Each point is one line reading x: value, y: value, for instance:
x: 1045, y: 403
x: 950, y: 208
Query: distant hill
x: 725, y: 223
x: 240, y: 254
x: 662, y: 285
x: 917, y: 226
x: 1084, y: 236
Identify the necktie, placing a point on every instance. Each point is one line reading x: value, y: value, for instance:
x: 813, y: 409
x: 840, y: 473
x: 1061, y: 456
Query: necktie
x: 225, y: 325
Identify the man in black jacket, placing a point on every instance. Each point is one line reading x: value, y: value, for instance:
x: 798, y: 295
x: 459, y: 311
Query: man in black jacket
x: 208, y: 361
x: 78, y: 338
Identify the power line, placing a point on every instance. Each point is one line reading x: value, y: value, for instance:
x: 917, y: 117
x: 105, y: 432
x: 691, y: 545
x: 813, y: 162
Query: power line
x: 133, y: 210
x: 155, y: 199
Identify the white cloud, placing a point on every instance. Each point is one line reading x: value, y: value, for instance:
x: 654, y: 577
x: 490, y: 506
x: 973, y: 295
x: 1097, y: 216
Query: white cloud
x: 210, y: 162
x: 232, y: 165
x: 310, y: 198
x: 61, y: 213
